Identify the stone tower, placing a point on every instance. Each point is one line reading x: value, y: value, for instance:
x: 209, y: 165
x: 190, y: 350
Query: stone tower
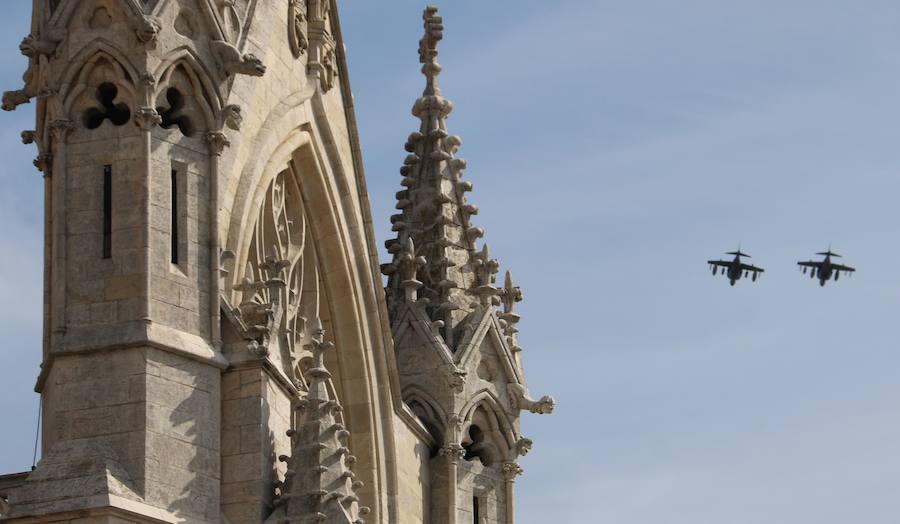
x: 458, y: 356
x: 217, y: 338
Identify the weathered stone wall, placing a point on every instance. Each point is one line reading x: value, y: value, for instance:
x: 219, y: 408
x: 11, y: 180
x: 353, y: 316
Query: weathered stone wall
x: 256, y: 414
x: 103, y: 292
x: 147, y: 418
x: 414, y: 473
x: 180, y: 297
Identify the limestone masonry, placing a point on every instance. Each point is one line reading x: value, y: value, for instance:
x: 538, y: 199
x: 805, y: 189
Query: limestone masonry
x: 218, y: 346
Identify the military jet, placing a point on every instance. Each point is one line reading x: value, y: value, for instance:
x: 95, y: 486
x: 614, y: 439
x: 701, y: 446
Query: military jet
x: 826, y: 268
x: 735, y: 269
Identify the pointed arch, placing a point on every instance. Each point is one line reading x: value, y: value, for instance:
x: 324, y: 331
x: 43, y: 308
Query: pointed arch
x: 192, y: 62
x: 291, y: 138
x: 181, y: 72
x: 96, y: 65
x: 432, y: 416
x: 98, y: 48
x: 486, y: 401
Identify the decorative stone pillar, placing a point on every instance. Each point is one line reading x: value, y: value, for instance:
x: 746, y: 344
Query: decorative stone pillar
x: 217, y: 142
x: 147, y: 118
x: 453, y: 452
x: 56, y: 164
x: 510, y: 470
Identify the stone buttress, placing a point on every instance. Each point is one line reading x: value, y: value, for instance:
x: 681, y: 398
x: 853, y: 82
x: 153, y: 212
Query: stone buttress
x: 458, y: 356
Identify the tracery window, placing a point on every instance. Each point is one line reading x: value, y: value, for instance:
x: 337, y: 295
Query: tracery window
x: 280, y: 286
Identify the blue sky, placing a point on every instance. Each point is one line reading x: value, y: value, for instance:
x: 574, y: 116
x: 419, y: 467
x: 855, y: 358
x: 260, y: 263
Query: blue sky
x: 614, y: 148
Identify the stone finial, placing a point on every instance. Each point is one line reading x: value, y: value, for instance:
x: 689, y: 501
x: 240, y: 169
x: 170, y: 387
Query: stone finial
x: 248, y: 285
x: 486, y: 268
x: 510, y: 295
x: 274, y: 265
x: 408, y: 264
x: 428, y: 52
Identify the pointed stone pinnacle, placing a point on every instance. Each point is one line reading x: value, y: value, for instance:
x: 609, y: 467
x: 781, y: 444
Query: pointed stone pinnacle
x: 317, y: 479
x: 434, y: 214
x: 428, y: 52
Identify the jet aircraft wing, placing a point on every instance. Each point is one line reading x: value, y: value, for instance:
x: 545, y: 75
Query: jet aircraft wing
x: 810, y: 263
x: 722, y: 263
x: 841, y: 267
x: 748, y: 267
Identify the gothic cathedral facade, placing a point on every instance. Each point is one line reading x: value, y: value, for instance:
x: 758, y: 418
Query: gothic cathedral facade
x: 219, y: 343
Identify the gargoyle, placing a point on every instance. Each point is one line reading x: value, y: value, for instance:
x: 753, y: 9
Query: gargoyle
x: 43, y: 45
x: 231, y: 117
x: 236, y: 63
x: 519, y: 399
x: 146, y: 28
x: 13, y: 99
x: 523, y: 446
x: 456, y: 377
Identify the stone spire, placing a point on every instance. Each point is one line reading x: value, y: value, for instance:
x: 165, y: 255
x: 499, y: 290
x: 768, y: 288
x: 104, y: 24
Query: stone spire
x: 436, y: 260
x: 319, y: 486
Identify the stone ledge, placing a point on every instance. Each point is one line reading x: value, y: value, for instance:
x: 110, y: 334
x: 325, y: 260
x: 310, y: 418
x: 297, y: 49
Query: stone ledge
x: 130, y: 335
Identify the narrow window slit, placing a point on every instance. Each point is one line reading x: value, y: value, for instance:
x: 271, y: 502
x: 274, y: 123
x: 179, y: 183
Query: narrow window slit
x: 107, y: 211
x: 174, y: 226
x: 476, y: 517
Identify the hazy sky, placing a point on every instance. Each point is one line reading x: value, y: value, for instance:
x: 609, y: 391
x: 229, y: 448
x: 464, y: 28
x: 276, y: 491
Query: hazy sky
x: 616, y: 146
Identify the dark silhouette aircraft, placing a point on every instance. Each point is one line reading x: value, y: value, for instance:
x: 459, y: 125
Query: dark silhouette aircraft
x: 826, y: 268
x: 735, y: 269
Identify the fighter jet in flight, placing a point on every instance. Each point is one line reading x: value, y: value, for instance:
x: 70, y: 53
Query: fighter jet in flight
x: 735, y: 269
x: 826, y: 268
